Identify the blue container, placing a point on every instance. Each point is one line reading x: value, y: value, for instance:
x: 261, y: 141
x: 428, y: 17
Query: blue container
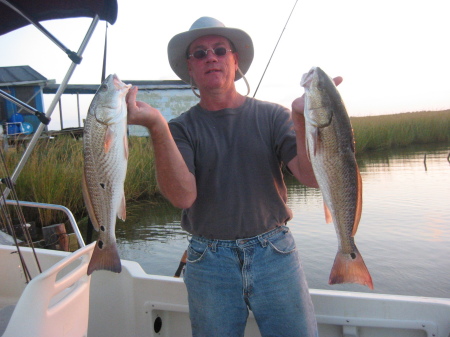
x: 15, y: 124
x: 27, y: 128
x: 13, y: 128
x: 15, y: 118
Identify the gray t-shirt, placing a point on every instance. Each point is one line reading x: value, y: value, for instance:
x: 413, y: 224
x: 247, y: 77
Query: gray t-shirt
x: 236, y: 156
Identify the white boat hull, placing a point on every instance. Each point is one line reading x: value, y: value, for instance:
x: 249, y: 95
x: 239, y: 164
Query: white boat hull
x: 134, y: 303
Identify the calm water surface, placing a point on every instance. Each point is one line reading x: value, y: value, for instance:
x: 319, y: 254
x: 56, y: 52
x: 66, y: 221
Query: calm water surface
x: 403, y: 236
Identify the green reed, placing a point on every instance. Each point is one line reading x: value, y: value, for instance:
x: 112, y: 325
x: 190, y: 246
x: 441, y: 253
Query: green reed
x: 399, y: 130
x: 141, y: 180
x: 54, y: 172
x: 52, y: 175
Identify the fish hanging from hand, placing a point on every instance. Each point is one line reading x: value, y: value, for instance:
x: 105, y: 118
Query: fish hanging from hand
x: 331, y: 149
x: 105, y: 148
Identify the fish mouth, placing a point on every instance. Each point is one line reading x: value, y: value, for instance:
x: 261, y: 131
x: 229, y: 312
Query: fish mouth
x: 307, y: 78
x: 118, y: 84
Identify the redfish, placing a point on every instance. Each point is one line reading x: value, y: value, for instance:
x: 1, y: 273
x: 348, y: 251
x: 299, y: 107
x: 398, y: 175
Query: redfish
x: 105, y: 147
x: 331, y: 148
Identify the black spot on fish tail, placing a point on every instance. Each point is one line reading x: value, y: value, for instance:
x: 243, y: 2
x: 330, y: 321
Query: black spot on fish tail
x: 347, y: 270
x: 102, y: 185
x: 102, y: 228
x: 100, y: 244
x: 106, y: 258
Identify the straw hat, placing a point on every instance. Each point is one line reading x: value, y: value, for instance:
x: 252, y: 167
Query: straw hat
x: 179, y: 44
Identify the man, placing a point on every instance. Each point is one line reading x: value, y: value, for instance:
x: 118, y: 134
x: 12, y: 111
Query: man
x: 221, y: 163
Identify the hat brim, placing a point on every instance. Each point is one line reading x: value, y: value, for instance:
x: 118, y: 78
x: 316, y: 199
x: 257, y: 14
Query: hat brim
x: 179, y: 44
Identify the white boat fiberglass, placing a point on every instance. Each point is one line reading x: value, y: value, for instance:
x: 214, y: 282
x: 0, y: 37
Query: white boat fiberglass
x: 134, y: 303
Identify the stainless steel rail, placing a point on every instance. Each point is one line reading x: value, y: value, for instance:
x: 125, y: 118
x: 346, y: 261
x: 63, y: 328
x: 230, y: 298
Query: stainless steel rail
x: 64, y: 209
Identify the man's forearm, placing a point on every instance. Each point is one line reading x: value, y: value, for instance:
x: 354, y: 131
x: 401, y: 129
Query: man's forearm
x: 175, y: 181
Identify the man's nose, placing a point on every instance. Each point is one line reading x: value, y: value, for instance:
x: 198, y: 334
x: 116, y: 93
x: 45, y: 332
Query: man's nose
x: 210, y: 55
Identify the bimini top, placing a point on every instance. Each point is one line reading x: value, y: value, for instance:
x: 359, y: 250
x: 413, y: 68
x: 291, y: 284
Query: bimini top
x: 41, y: 10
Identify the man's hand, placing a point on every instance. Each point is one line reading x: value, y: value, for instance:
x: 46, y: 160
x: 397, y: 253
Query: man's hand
x: 141, y: 113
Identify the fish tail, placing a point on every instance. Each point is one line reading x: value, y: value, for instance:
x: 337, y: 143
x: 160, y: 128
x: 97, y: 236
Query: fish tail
x: 350, y: 268
x: 105, y: 258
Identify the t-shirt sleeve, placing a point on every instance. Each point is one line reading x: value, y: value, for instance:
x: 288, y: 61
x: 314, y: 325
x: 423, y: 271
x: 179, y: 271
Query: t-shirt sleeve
x: 284, y: 136
x: 184, y: 144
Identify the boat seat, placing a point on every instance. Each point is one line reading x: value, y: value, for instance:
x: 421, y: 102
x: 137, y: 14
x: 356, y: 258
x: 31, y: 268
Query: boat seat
x: 56, y: 302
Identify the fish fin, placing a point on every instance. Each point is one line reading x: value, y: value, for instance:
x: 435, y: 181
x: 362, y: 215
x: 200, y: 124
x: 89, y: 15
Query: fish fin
x: 350, y: 270
x: 106, y: 258
x: 88, y: 203
x: 358, y: 210
x: 125, y: 144
x: 328, y: 217
x: 122, y: 211
x: 109, y: 137
x: 308, y: 155
x: 316, y: 140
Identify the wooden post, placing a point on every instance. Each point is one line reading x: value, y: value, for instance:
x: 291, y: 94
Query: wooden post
x: 55, y: 237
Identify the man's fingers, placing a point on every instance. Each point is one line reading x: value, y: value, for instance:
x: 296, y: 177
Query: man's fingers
x: 131, y: 95
x: 298, y: 104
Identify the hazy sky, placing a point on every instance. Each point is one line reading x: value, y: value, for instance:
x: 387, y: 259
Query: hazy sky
x: 394, y: 55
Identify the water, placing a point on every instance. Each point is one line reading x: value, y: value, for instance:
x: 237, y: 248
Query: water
x: 404, y: 233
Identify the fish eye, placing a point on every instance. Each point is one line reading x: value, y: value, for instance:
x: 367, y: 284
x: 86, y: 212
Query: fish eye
x: 104, y: 87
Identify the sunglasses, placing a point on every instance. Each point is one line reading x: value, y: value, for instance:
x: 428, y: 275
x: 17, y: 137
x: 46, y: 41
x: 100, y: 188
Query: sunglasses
x: 219, y: 51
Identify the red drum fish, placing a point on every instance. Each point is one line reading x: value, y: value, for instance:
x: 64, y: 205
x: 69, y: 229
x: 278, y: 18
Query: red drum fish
x: 105, y: 147
x: 331, y: 149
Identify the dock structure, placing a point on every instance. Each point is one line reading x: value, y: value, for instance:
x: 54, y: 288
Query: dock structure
x: 171, y: 97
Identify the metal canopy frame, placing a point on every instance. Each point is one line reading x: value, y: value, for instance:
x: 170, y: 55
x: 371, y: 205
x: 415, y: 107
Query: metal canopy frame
x: 19, y: 13
x: 72, y: 55
x: 16, y: 16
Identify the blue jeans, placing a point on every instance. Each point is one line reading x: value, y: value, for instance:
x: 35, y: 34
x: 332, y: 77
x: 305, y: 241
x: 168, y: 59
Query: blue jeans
x: 225, y: 278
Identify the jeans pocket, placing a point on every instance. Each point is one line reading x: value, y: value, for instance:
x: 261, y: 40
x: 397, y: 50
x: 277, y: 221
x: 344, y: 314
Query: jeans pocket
x: 196, y: 251
x: 283, y: 242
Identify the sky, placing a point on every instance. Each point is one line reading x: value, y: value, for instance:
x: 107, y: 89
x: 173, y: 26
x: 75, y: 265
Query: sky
x: 394, y: 55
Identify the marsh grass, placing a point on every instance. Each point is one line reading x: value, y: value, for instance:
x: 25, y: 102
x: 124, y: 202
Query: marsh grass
x: 51, y: 175
x: 141, y: 180
x: 400, y: 130
x: 54, y: 171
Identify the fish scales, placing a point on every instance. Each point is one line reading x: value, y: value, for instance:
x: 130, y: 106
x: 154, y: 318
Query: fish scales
x: 331, y: 150
x: 105, y: 148
x: 112, y: 167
